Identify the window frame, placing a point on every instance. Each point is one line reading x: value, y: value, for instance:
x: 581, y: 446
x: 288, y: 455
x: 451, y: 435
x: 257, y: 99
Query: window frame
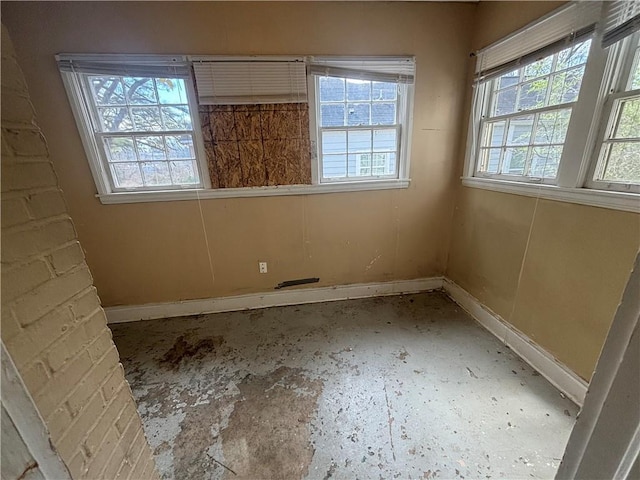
x: 583, y: 134
x: 486, y: 93
x: 84, y: 110
x: 624, y: 58
x: 404, y: 126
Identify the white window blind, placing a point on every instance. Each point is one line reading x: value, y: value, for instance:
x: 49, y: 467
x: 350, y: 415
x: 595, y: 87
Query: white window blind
x: 224, y: 82
x: 546, y: 36
x: 124, y: 65
x: 622, y: 18
x: 381, y: 69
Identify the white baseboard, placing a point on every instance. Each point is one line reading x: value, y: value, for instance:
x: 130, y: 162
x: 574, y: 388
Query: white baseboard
x: 542, y: 361
x: 269, y: 299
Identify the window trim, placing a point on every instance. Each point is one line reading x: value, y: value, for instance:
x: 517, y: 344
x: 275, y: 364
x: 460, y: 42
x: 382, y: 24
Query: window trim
x: 247, y: 192
x: 628, y: 202
x: 98, y: 163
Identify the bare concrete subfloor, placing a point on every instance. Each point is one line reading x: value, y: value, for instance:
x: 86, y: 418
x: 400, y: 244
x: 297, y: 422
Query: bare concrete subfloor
x: 396, y: 387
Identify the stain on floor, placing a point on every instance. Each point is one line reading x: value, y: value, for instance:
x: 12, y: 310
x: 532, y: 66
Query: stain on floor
x: 396, y: 387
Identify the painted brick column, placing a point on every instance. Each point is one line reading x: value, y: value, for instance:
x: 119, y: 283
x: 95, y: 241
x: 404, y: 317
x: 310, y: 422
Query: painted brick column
x: 52, y: 323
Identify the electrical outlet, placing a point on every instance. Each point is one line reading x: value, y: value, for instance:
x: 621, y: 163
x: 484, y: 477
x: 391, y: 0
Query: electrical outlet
x: 263, y: 267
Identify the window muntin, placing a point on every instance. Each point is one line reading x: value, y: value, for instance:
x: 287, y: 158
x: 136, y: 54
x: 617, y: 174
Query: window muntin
x: 618, y: 156
x: 527, y: 117
x: 143, y: 128
x: 358, y: 128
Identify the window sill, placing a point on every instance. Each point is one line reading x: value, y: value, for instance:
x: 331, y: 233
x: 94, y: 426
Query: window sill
x: 629, y: 202
x: 177, y: 195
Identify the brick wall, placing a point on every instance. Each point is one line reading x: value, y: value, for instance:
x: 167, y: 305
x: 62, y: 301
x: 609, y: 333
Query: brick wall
x: 52, y: 322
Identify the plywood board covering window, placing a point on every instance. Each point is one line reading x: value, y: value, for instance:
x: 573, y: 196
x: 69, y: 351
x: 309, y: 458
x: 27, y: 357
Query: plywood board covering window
x: 257, y: 145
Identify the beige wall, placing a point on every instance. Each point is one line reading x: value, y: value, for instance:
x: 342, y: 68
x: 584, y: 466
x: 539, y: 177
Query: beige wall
x: 554, y: 270
x: 52, y: 323
x: 577, y: 258
x: 155, y: 252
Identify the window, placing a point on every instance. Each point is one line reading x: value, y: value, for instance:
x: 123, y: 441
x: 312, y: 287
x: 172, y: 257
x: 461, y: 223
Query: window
x: 360, y: 112
x: 556, y: 108
x: 139, y: 126
x: 358, y: 128
x: 527, y: 115
x: 617, y: 162
x: 182, y: 127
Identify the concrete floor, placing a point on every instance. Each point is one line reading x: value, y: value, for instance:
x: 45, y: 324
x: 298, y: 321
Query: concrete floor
x: 396, y: 387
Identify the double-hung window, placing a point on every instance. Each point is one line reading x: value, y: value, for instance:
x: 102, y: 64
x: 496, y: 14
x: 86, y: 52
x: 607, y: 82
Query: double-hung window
x: 137, y: 121
x: 556, y: 108
x: 527, y: 87
x: 526, y: 116
x: 360, y: 118
x: 617, y: 156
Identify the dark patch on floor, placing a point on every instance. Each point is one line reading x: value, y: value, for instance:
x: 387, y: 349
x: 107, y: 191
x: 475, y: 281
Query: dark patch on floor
x: 182, y: 350
x: 279, y: 407
x: 190, y: 451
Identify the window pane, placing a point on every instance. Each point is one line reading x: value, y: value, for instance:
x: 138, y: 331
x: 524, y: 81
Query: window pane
x: 146, y: 118
x: 635, y: 74
x: 545, y: 161
x: 358, y: 90
x: 332, y: 115
x: 494, y: 133
x: 363, y: 162
x: 509, y: 79
x: 514, y: 160
x: 115, y: 119
x: 120, y: 149
x: 375, y: 164
x: 505, y: 101
x: 565, y: 86
x: 184, y: 173
x: 150, y: 148
x: 332, y: 89
x: 155, y: 173
x: 358, y: 114
x: 359, y: 141
x: 383, y: 113
x: 126, y: 175
x: 107, y: 90
x: 629, y: 119
x: 171, y: 90
x: 334, y: 166
x: 520, y: 130
x: 354, y: 161
x: 383, y: 91
x: 391, y: 163
x: 385, y: 140
x: 576, y: 55
x: 140, y: 91
x: 334, y: 142
x: 490, y: 160
x: 624, y: 163
x: 552, y: 126
x: 180, y: 146
x: 533, y: 94
x: 539, y: 68
x: 176, y: 118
